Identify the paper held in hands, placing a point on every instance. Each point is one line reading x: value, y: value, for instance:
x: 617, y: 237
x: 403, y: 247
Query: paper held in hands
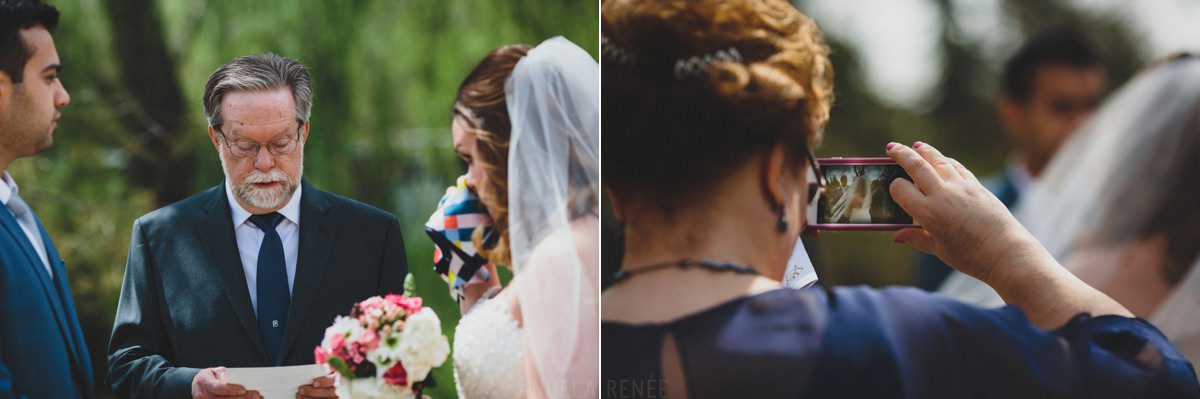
x: 274, y: 382
x: 800, y: 272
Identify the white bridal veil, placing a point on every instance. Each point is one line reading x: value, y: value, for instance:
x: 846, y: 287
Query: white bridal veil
x: 1137, y: 143
x: 553, y: 191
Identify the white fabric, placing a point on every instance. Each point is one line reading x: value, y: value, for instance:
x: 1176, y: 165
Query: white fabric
x: 24, y: 215
x: 488, y: 358
x: 553, y: 101
x: 1151, y: 124
x: 249, y: 239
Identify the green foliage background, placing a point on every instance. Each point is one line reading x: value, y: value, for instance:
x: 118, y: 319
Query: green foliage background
x: 385, y: 73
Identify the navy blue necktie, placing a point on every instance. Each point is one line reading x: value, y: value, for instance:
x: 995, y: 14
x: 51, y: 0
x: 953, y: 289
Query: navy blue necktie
x: 273, y: 296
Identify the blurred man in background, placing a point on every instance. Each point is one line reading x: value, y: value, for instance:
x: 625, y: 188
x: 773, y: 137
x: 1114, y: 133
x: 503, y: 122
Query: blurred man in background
x: 1050, y: 86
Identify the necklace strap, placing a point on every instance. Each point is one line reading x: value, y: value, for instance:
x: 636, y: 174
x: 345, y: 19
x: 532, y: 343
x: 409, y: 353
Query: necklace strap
x: 686, y: 264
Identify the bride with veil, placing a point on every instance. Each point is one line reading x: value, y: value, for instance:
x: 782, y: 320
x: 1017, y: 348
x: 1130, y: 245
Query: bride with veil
x: 1119, y: 205
x: 532, y: 145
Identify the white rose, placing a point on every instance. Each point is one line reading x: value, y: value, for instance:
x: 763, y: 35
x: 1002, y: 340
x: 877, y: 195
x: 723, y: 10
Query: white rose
x: 422, y: 345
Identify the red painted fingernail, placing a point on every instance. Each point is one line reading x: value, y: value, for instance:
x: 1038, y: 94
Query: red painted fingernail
x: 918, y: 145
x: 889, y: 146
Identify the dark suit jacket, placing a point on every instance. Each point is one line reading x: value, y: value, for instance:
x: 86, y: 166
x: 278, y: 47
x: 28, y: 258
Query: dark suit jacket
x: 185, y: 304
x: 42, y: 352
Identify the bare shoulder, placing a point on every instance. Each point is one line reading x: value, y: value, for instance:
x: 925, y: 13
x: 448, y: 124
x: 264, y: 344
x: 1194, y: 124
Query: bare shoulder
x: 586, y: 233
x: 553, y: 260
x: 581, y: 241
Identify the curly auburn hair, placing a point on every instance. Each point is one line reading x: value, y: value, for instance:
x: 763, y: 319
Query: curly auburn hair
x: 481, y: 105
x: 669, y: 138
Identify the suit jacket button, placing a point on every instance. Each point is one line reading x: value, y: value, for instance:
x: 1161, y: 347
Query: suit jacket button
x: 275, y: 323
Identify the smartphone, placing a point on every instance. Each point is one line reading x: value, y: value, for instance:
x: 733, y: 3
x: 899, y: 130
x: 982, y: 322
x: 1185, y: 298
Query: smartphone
x: 857, y: 197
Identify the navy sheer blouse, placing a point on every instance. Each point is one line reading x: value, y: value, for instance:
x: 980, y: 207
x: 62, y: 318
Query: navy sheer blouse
x: 895, y: 342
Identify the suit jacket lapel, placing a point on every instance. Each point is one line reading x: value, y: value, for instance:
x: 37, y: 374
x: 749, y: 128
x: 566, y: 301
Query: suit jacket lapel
x: 316, y: 239
x: 35, y: 261
x: 221, y: 245
x: 78, y: 344
x: 18, y: 236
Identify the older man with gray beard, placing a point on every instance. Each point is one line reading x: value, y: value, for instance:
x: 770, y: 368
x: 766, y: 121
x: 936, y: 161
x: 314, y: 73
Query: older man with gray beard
x: 248, y: 273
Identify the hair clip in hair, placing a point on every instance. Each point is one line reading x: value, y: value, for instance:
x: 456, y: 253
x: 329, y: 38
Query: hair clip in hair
x: 615, y: 53
x: 685, y: 68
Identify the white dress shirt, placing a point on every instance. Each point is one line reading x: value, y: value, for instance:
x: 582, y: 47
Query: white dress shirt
x: 249, y: 240
x: 7, y: 191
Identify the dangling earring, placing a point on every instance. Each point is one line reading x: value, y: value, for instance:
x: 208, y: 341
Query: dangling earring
x: 783, y: 223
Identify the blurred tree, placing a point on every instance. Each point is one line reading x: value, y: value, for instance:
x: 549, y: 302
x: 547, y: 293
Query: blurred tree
x: 161, y: 157
x: 962, y: 102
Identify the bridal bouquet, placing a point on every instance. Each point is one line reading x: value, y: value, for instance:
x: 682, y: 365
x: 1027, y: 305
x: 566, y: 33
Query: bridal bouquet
x: 384, y: 349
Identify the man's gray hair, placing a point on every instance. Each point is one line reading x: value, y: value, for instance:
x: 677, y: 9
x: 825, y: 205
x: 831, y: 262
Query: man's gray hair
x: 258, y: 72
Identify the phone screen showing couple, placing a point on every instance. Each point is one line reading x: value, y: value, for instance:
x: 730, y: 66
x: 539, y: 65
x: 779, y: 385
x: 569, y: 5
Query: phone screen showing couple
x: 857, y: 196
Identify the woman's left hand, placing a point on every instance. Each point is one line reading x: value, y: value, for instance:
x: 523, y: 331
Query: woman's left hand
x: 961, y: 221
x: 965, y: 225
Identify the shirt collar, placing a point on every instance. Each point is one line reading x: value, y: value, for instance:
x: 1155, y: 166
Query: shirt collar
x: 290, y: 211
x: 8, y: 189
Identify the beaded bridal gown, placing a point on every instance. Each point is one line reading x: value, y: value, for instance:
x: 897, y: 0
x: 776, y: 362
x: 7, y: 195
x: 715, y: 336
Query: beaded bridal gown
x: 488, y: 360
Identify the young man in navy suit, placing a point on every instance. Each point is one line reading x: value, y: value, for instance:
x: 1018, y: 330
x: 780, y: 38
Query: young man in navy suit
x: 42, y: 351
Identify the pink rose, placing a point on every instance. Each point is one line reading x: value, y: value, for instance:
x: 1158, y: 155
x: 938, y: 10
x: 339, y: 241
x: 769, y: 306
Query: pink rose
x: 357, y: 350
x: 369, y: 339
x: 337, y: 341
x: 320, y: 355
x: 410, y: 305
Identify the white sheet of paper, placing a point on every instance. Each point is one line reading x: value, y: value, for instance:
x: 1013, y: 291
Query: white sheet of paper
x: 274, y: 382
x: 800, y: 272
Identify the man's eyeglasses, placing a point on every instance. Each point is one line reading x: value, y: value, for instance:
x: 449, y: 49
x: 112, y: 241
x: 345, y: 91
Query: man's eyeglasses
x: 817, y: 185
x: 249, y: 149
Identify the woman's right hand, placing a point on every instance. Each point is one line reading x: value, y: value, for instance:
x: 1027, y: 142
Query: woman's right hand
x: 961, y: 221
